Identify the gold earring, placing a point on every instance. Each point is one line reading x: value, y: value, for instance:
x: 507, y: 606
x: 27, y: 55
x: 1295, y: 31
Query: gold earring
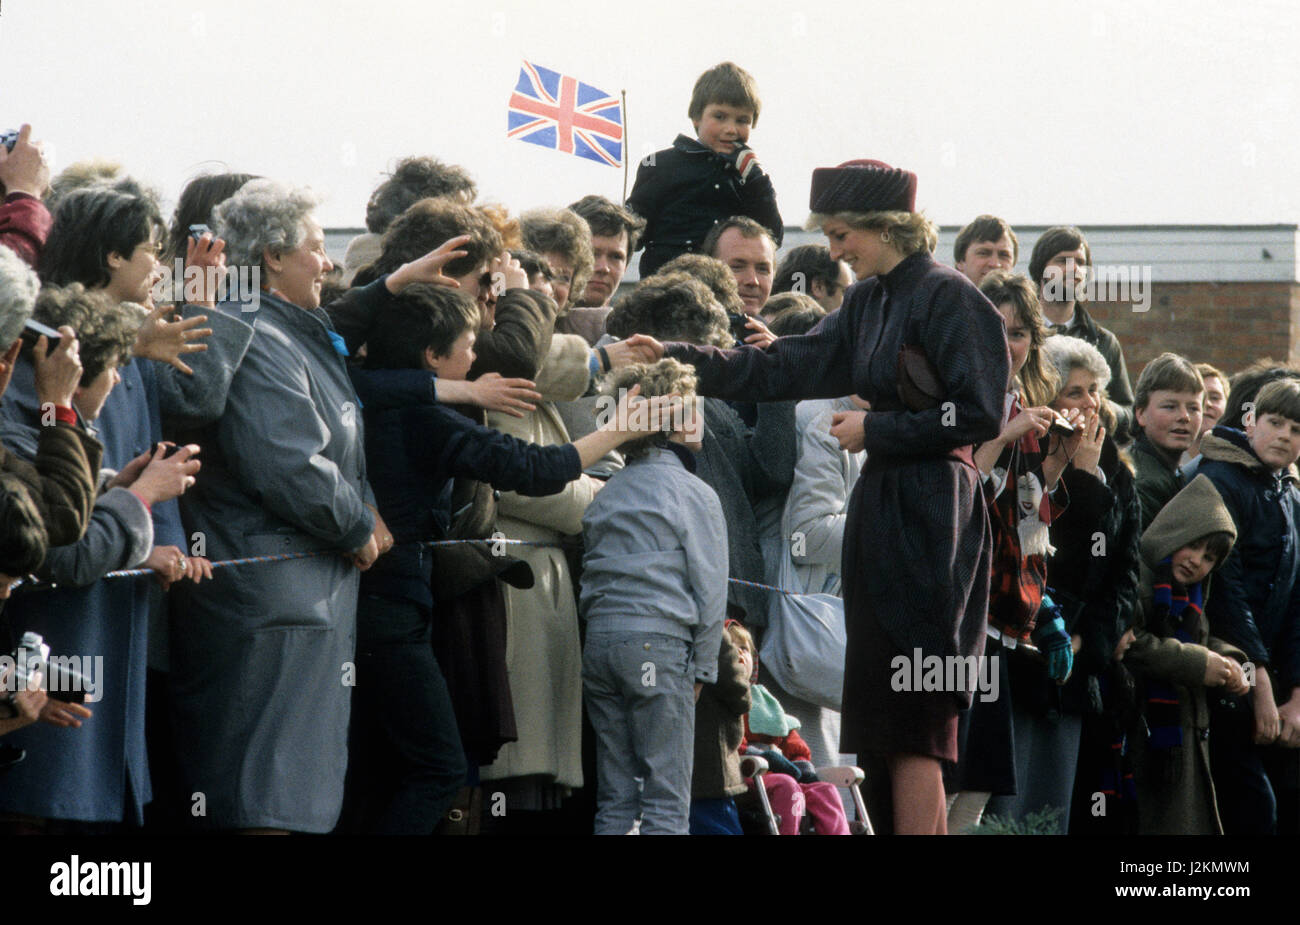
x: 884, y: 237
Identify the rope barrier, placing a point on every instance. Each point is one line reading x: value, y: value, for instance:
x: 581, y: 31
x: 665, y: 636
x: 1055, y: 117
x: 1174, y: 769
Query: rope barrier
x: 29, y: 585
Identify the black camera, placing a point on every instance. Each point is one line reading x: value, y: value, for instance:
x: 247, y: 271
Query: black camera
x: 33, y: 330
x: 60, y: 681
x: 1062, y: 427
x: 739, y: 328
x: 9, y: 139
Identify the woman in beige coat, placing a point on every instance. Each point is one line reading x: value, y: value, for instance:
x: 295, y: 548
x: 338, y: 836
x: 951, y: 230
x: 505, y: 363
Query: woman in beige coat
x: 543, y: 651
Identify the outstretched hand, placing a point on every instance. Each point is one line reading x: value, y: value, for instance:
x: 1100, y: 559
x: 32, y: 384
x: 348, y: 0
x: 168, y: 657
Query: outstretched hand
x: 165, y: 341
x: 512, y: 396
x: 646, y: 349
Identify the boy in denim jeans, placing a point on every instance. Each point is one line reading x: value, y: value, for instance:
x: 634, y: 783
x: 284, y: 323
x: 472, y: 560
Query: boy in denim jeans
x: 654, y: 592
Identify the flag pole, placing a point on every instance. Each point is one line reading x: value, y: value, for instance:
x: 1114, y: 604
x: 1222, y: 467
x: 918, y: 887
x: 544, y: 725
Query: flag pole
x: 623, y: 95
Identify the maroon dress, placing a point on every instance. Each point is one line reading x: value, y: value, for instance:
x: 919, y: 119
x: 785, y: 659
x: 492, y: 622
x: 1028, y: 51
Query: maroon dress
x: 916, y: 539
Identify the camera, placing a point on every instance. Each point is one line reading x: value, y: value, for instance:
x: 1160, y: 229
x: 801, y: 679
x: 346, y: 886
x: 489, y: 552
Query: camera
x: 33, y: 330
x: 198, y: 231
x: 60, y: 681
x: 1061, y: 427
x: 9, y: 139
x: 738, y: 326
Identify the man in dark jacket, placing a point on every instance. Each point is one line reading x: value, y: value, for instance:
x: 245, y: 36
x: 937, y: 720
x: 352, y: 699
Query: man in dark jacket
x: 1057, y: 252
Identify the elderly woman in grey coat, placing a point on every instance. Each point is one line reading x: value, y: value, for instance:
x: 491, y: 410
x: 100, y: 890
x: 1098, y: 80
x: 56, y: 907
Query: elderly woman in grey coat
x: 261, y: 659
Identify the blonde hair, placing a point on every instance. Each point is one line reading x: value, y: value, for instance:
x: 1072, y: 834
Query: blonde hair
x: 741, y: 637
x: 909, y: 232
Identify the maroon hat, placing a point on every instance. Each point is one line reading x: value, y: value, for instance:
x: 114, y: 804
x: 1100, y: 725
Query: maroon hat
x: 863, y: 186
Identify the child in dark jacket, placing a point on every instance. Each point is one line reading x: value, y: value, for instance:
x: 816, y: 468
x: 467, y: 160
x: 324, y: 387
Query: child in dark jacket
x: 1177, y: 660
x: 1256, y: 606
x: 407, y: 761
x: 719, y: 730
x: 683, y: 191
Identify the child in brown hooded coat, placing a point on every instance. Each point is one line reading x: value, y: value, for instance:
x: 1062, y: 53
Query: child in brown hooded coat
x: 1176, y: 660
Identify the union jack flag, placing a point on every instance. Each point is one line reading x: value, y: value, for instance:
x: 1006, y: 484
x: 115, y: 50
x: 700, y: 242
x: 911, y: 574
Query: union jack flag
x: 557, y: 111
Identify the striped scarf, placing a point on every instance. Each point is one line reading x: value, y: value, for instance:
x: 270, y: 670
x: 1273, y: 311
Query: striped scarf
x: 1020, y: 512
x: 1176, y: 613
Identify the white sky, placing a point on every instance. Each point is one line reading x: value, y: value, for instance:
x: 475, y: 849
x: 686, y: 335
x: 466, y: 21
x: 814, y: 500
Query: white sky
x: 1092, y: 113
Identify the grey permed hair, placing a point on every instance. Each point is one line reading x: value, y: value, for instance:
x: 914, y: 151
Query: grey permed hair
x: 18, y: 289
x: 1067, y: 353
x: 263, y: 215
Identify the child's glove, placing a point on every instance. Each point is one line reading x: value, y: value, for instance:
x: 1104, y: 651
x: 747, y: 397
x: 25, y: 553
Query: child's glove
x: 745, y: 161
x: 1053, y: 641
x: 779, y: 764
x: 807, y: 773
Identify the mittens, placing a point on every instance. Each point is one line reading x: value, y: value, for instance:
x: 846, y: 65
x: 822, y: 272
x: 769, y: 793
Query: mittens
x: 1053, y: 641
x: 807, y: 773
x: 745, y: 161
x: 779, y: 764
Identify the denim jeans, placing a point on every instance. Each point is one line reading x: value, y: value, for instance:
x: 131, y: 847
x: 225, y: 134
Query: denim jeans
x: 640, y: 694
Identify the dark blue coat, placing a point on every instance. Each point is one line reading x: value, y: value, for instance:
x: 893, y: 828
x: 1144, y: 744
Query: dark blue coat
x: 412, y: 455
x: 1255, y: 601
x: 101, y: 769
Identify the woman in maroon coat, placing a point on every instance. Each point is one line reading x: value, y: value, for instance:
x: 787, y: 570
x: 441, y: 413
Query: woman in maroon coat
x: 916, y: 552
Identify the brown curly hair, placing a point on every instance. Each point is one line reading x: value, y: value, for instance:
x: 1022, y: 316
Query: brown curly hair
x: 713, y: 273
x: 106, y: 329
x: 428, y: 224
x: 413, y: 179
x: 671, y: 307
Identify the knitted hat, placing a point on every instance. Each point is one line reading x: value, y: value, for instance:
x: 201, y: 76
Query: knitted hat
x: 863, y: 186
x: 1196, y: 511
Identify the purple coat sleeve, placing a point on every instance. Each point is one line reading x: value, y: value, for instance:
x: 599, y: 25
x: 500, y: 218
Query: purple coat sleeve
x: 818, y: 364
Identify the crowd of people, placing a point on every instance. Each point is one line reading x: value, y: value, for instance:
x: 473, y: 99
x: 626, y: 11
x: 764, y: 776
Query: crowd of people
x: 500, y: 547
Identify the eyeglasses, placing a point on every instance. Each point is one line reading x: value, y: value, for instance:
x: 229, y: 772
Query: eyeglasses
x: 155, y: 247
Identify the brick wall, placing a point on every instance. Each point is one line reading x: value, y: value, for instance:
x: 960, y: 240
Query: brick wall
x: 1228, y: 325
